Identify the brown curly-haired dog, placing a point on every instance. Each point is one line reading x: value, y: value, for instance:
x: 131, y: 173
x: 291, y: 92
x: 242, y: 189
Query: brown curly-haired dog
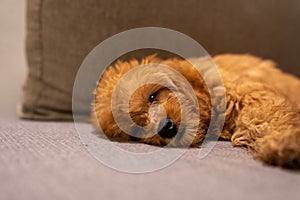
x: 261, y: 113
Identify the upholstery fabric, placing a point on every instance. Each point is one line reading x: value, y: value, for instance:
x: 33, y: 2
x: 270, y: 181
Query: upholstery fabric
x: 46, y: 160
x: 60, y: 34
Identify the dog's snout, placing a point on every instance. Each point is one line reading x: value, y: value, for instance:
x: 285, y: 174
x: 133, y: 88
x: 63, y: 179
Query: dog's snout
x: 167, y: 128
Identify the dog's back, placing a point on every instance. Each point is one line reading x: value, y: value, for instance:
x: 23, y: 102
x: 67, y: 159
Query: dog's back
x: 239, y: 69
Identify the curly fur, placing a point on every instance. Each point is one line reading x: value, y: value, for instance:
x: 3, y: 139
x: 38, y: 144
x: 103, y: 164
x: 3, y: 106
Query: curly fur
x: 262, y: 104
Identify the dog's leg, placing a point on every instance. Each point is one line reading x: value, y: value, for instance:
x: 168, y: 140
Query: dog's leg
x: 268, y: 125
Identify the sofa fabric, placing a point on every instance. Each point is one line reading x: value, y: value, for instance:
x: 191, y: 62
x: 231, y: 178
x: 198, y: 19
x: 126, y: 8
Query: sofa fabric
x: 46, y: 160
x: 60, y: 34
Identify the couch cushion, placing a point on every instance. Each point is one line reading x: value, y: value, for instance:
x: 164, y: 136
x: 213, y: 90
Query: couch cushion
x: 60, y: 33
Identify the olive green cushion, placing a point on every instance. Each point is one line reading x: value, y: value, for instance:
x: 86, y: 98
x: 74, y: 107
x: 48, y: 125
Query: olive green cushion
x: 60, y: 34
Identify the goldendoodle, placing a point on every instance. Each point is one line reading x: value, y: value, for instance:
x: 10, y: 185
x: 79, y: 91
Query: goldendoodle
x: 150, y: 101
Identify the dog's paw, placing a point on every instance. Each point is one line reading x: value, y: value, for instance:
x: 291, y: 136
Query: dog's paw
x: 281, y: 149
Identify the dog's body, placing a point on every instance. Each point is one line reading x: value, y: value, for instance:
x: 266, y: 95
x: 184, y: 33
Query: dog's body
x: 262, y: 105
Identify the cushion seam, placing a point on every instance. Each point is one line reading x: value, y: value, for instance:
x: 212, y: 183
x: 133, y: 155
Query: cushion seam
x: 41, y: 64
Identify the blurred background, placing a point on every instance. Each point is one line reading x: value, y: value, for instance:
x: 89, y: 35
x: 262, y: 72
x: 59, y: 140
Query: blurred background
x: 12, y: 54
x: 269, y: 29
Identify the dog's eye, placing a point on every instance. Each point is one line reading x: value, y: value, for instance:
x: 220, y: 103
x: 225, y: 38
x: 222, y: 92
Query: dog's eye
x: 152, y: 97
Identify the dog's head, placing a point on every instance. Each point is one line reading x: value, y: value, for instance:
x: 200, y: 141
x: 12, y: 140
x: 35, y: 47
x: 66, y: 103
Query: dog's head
x: 154, y: 104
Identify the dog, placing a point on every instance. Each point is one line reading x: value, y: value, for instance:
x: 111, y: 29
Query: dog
x: 176, y: 101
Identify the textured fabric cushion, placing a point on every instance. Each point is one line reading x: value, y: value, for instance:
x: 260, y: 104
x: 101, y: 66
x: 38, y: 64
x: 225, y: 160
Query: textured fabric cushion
x: 46, y: 160
x: 60, y: 33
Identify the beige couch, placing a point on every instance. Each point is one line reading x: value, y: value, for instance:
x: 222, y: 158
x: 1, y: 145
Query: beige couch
x: 46, y: 160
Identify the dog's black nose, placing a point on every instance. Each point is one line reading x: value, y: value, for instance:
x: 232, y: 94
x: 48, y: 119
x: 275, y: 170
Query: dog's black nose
x: 167, y: 128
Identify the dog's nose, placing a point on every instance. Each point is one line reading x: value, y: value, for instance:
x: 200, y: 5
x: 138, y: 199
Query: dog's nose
x: 167, y: 128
